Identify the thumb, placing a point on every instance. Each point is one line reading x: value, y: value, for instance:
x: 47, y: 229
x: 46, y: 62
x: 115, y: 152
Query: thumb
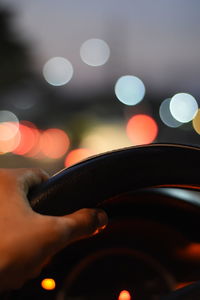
x: 85, y: 222
x: 72, y: 227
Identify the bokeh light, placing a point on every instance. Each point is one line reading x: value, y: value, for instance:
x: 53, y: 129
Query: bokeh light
x: 130, y: 90
x: 48, y: 284
x: 77, y: 155
x: 29, y: 139
x: 196, y: 122
x: 10, y: 130
x: 107, y: 137
x: 142, y: 129
x: 166, y: 115
x: 183, y: 107
x: 35, y: 150
x: 13, y: 137
x: 95, y: 52
x: 124, y: 295
x: 58, y: 71
x: 54, y: 143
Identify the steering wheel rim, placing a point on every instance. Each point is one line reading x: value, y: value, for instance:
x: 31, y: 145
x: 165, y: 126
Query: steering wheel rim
x: 92, y: 181
x: 96, y: 179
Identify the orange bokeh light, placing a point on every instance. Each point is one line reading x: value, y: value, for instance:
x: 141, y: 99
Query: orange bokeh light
x: 124, y: 295
x: 54, y: 143
x: 77, y: 155
x: 48, y: 284
x: 142, y: 129
x: 29, y: 138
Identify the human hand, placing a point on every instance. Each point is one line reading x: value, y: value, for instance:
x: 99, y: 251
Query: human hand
x: 29, y: 239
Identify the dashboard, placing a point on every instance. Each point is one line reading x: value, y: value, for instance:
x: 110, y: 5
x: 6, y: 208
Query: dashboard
x: 149, y: 249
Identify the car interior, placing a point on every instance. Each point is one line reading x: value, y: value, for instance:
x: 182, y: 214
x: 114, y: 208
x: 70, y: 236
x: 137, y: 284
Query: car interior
x: 104, y: 96
x: 150, y: 248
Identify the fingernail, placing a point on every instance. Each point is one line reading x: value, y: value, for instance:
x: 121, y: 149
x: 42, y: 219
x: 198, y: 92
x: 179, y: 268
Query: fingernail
x: 102, y: 218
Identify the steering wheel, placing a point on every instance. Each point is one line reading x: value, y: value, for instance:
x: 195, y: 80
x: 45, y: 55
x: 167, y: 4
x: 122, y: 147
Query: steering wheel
x: 93, y: 181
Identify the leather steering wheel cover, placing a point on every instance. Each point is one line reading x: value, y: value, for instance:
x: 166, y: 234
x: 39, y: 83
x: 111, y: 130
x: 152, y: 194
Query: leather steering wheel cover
x: 92, y: 181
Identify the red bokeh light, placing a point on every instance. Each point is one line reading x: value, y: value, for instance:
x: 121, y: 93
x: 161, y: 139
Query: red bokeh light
x: 142, y: 129
x: 77, y: 155
x: 54, y: 143
x: 29, y: 138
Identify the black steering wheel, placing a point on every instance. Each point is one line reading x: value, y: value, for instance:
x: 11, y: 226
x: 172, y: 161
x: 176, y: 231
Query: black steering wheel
x: 91, y: 182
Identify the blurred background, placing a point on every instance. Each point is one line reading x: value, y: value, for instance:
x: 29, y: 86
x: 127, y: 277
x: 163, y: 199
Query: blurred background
x: 78, y: 78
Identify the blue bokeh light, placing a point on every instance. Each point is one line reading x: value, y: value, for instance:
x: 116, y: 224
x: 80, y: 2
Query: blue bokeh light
x: 166, y: 115
x: 130, y: 90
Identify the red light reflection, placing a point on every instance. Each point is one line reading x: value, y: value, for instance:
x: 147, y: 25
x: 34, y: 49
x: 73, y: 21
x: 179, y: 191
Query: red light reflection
x: 180, y: 285
x: 77, y: 155
x: 142, y: 129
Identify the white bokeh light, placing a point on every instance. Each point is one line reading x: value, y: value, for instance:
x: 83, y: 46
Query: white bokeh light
x: 58, y: 71
x: 183, y: 107
x: 9, y: 124
x: 166, y: 115
x: 95, y: 52
x: 130, y: 90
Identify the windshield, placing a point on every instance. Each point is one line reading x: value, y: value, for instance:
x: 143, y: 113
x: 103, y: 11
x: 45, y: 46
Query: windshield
x: 79, y: 78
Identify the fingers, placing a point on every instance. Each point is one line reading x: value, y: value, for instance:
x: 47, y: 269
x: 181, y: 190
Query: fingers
x: 29, y: 238
x: 22, y: 178
x: 15, y: 184
x: 31, y: 177
x: 61, y: 231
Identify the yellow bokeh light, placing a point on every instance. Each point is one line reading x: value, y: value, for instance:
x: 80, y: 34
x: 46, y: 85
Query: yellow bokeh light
x: 105, y: 137
x: 48, y: 284
x: 196, y: 122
